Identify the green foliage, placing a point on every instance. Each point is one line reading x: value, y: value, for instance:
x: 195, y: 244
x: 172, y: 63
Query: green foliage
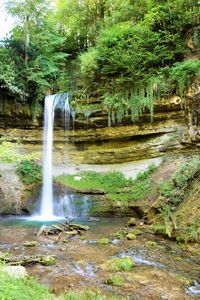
x: 172, y: 194
x: 108, y: 182
x: 196, y: 38
x: 113, y: 184
x: 181, y: 75
x: 115, y: 280
x: 159, y: 229
x: 29, y: 171
x: 127, y: 53
x: 28, y: 288
x: 9, y: 152
x: 31, y: 59
x: 18, y: 289
x: 173, y: 190
x: 142, y: 185
x: 118, y: 264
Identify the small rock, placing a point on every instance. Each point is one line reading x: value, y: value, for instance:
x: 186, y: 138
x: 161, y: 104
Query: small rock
x: 132, y: 222
x: 66, y: 241
x: 15, y: 271
x: 91, y: 219
x: 151, y: 244
x: 103, y: 241
x: 131, y: 236
x: 136, y: 231
x: 77, y: 178
x: 48, y: 260
x: 63, y: 248
x: 30, y: 244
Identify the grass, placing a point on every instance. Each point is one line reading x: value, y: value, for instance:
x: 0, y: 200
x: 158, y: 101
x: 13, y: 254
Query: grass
x: 22, y: 289
x: 108, y: 182
x: 114, y: 184
x: 29, y: 289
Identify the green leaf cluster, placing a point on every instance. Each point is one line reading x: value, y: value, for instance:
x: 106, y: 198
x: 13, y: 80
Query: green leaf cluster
x: 29, y: 172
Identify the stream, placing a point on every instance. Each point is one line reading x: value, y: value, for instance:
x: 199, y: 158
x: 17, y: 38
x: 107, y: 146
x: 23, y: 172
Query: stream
x: 163, y: 269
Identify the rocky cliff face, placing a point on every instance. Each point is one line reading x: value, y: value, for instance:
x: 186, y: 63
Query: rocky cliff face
x: 174, y: 129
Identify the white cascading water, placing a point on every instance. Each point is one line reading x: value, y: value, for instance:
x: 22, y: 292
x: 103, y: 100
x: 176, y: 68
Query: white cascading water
x: 64, y: 206
x: 51, y: 102
x: 46, y: 211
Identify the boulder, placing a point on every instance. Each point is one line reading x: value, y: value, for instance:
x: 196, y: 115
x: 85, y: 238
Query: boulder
x: 15, y: 271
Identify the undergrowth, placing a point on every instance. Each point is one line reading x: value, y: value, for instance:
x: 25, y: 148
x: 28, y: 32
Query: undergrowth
x: 172, y: 195
x: 29, y: 289
x: 29, y: 172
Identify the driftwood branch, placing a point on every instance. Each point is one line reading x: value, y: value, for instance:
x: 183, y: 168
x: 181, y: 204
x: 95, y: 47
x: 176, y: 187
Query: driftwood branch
x: 59, y: 229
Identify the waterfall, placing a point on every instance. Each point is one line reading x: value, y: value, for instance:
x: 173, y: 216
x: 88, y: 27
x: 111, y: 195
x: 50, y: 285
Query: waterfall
x: 53, y: 206
x: 51, y: 103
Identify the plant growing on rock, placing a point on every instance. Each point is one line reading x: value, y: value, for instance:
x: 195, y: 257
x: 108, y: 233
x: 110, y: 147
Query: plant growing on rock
x: 29, y: 171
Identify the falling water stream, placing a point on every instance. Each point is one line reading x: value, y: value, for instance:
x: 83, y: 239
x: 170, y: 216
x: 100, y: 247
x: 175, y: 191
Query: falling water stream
x: 51, y: 103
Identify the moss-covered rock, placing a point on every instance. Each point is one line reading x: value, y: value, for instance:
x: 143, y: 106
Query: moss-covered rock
x: 103, y: 241
x: 132, y: 222
x: 30, y: 244
x: 48, y: 260
x: 131, y: 236
x: 115, y: 280
x: 118, y: 264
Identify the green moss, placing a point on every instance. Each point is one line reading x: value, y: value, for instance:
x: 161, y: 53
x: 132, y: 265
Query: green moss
x: 30, y: 244
x: 132, y: 222
x: 159, y: 229
x: 115, y: 280
x: 131, y: 236
x: 48, y: 260
x: 103, y: 241
x: 118, y: 264
x: 151, y: 244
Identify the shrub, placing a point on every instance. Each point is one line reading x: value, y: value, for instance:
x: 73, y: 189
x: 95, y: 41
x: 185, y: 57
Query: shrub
x: 29, y: 172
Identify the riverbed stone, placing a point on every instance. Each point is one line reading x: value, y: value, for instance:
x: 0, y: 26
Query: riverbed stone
x: 132, y: 222
x: 48, y: 260
x: 30, y: 244
x: 131, y: 236
x: 104, y: 241
x: 15, y: 271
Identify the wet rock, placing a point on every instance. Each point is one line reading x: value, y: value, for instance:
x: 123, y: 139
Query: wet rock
x: 118, y: 264
x: 151, y: 244
x: 131, y: 236
x: 103, y: 241
x: 132, y: 222
x: 48, y: 260
x: 136, y: 231
x: 30, y: 244
x: 15, y: 271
